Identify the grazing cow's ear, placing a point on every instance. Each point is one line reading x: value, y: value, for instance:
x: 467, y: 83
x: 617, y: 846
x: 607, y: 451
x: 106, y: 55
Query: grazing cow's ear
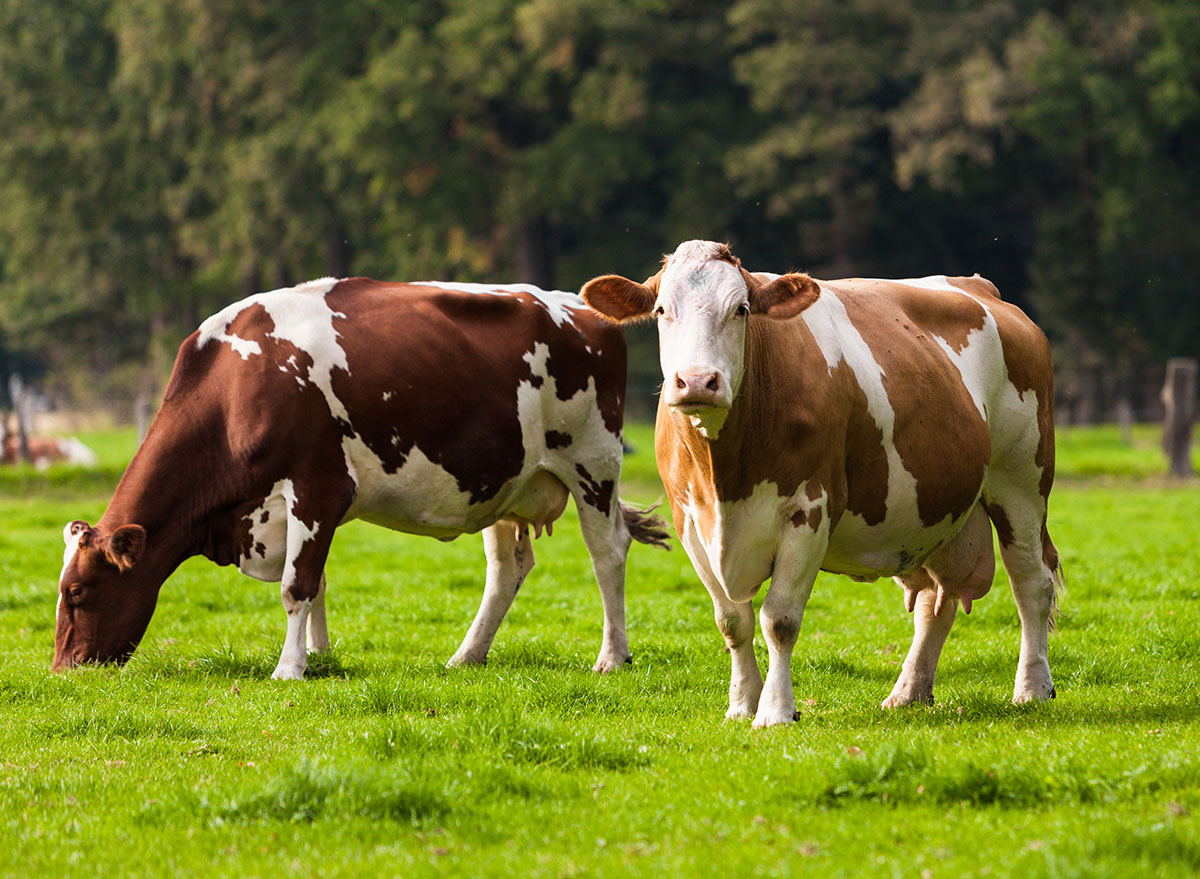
x: 73, y: 528
x: 785, y: 297
x: 124, y: 547
x: 620, y: 299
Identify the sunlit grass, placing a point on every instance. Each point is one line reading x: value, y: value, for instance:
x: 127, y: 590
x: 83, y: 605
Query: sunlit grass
x: 190, y: 761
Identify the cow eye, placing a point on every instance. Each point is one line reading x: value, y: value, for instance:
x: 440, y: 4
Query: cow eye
x: 743, y: 310
x: 658, y: 311
x: 76, y: 593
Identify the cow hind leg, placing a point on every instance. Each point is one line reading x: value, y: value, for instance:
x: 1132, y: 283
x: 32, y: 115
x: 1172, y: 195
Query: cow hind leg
x: 608, y: 539
x: 961, y: 571
x: 318, y: 630
x: 1031, y: 561
x: 509, y: 553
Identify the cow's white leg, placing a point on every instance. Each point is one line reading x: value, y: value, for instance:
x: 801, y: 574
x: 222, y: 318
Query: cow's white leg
x: 608, y: 541
x: 1031, y: 560
x: 735, y: 621
x: 293, y: 659
x: 915, y: 684
x: 509, y: 560
x: 780, y: 616
x: 318, y: 631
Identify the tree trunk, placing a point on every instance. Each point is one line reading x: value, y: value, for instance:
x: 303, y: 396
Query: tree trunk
x: 532, y: 253
x: 23, y: 409
x: 1179, y: 398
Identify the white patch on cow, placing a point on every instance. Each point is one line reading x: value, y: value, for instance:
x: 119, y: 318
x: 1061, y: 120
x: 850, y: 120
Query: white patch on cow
x: 698, y: 332
x: 72, y: 547
x: 748, y: 535
x: 557, y: 302
x: 275, y: 543
x: 387, y: 395
x: 76, y: 452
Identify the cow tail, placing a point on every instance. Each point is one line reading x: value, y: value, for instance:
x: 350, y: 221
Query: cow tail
x: 644, y: 527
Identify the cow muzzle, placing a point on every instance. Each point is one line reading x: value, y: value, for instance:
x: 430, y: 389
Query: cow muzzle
x: 693, y: 391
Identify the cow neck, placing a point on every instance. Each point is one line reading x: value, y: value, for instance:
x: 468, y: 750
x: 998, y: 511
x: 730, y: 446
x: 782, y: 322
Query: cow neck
x: 733, y: 464
x: 171, y: 489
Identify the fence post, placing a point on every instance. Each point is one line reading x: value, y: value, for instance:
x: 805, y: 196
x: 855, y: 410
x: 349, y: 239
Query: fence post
x: 1179, y: 398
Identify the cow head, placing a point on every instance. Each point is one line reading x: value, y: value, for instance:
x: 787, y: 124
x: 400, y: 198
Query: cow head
x: 102, y: 613
x: 703, y: 300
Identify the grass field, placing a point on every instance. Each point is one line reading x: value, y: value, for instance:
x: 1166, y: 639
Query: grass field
x: 190, y: 761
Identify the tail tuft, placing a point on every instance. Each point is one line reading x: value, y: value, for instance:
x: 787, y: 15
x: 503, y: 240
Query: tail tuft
x: 645, y: 528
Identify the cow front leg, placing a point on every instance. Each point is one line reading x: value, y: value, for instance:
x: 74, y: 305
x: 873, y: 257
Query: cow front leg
x: 735, y: 622
x: 780, y: 617
x: 311, y: 520
x: 509, y: 554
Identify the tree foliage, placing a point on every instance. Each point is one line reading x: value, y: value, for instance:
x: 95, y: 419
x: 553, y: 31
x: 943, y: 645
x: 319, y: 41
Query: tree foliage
x: 159, y: 160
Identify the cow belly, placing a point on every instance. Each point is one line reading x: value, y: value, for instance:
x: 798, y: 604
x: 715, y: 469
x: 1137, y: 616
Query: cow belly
x: 866, y: 552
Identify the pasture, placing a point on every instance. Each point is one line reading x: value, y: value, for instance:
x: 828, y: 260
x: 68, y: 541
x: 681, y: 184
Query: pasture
x: 190, y: 761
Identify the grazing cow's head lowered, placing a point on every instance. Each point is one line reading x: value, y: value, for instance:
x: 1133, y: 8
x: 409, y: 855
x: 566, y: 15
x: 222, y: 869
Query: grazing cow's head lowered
x: 703, y: 299
x: 101, y: 614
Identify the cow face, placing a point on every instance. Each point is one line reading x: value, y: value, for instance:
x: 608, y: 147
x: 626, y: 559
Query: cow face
x: 101, y: 613
x: 703, y: 300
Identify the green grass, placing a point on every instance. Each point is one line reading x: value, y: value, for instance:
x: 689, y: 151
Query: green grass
x: 190, y: 761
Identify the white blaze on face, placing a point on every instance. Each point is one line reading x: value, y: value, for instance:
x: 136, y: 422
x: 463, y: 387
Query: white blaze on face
x: 71, y: 539
x: 700, y: 331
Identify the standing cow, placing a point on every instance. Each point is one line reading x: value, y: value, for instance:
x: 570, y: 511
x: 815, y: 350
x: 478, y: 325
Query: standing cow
x: 869, y: 428
x: 436, y: 409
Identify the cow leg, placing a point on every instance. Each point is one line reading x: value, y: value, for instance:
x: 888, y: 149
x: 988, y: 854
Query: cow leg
x: 607, y: 539
x: 930, y: 628
x: 735, y: 621
x: 509, y: 560
x: 1031, y: 560
x: 318, y: 632
x: 780, y: 616
x: 311, y: 521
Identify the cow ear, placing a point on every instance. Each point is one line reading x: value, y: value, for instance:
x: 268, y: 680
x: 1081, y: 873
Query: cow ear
x: 73, y: 528
x: 620, y: 299
x: 784, y: 297
x: 124, y: 547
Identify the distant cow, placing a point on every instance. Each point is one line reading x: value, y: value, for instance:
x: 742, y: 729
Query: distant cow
x: 435, y: 409
x: 869, y: 428
x: 47, y: 450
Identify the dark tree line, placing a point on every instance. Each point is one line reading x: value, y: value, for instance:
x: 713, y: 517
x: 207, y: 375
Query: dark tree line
x: 158, y: 160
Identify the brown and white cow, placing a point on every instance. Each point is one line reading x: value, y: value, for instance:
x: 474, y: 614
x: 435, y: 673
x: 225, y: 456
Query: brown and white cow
x: 47, y: 450
x: 869, y: 428
x: 435, y: 409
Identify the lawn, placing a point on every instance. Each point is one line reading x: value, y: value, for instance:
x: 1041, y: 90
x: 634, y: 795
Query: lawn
x: 190, y: 761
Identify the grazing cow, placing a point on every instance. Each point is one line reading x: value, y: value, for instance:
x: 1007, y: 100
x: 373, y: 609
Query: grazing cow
x: 436, y: 409
x: 869, y: 428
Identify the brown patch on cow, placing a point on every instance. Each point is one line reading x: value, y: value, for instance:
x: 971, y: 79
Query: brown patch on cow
x: 1004, y: 529
x: 1049, y: 550
x: 940, y: 436
x: 866, y: 460
x: 807, y: 518
x: 557, y: 439
x: 596, y: 494
x: 448, y: 412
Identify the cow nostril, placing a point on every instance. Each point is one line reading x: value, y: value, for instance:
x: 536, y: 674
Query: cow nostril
x: 680, y: 383
x: 713, y: 384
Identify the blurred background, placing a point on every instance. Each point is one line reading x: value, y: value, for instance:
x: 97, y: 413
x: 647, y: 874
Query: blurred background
x: 161, y: 159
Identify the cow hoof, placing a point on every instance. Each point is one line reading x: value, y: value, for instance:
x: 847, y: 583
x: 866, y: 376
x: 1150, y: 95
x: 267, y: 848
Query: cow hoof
x: 289, y: 672
x: 903, y: 700
x: 462, y: 660
x: 605, y: 665
x: 739, y: 712
x: 775, y: 717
